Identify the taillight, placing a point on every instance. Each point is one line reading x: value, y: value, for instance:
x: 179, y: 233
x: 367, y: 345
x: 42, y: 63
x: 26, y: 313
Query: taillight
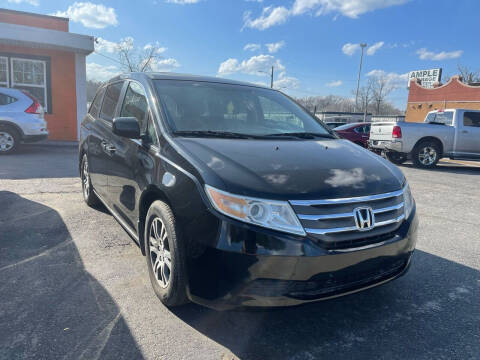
x: 397, y: 132
x: 35, y: 108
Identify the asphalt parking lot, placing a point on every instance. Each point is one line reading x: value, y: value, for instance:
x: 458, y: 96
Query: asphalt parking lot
x: 73, y: 285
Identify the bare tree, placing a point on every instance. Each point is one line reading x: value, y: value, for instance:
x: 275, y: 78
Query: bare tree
x: 365, y: 96
x: 381, y: 88
x: 91, y: 88
x: 135, y: 59
x: 468, y: 75
x: 345, y: 104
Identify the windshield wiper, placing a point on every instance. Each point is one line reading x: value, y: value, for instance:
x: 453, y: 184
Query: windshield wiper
x: 302, y: 135
x: 211, y: 133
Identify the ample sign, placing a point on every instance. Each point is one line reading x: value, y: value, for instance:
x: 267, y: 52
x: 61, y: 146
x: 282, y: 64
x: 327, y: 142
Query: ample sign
x: 427, y: 77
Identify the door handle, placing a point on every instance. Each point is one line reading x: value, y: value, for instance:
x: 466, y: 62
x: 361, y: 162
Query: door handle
x: 107, y: 147
x: 464, y: 131
x: 110, y: 148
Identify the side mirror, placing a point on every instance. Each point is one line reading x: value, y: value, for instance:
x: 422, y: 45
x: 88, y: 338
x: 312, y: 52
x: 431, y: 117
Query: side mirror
x: 127, y: 127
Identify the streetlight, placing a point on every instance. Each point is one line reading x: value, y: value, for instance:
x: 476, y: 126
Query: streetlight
x: 271, y: 76
x: 363, y: 46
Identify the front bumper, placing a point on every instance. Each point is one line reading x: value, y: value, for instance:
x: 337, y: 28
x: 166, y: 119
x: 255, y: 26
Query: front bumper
x: 264, y: 269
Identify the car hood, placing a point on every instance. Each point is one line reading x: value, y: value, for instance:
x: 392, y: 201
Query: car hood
x: 291, y: 169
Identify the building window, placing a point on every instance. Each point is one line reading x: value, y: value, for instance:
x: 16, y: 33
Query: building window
x: 30, y: 75
x: 3, y: 71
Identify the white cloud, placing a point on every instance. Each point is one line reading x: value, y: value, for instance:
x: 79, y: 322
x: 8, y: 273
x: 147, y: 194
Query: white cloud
x: 183, y: 2
x: 336, y: 83
x: 96, y: 16
x: 229, y: 66
x: 350, y: 49
x: 349, y: 8
x: 99, y: 72
x: 260, y: 65
x: 393, y: 79
x: 256, y: 65
x: 285, y: 82
x: 274, y: 47
x: 373, y: 49
x: 30, y: 2
x: 103, y: 45
x: 164, y: 64
x: 270, y: 16
x: 424, y: 54
x: 159, y: 49
x: 252, y: 47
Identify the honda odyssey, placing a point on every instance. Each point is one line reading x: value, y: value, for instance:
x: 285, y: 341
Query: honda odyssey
x: 237, y: 196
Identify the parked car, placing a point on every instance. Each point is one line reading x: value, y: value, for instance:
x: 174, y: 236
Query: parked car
x: 452, y: 133
x: 239, y: 197
x: 21, y: 120
x: 358, y: 133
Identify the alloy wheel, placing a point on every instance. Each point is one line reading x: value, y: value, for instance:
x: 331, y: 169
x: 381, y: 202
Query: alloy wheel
x: 85, y: 178
x: 160, y: 256
x: 6, y: 141
x: 427, y: 156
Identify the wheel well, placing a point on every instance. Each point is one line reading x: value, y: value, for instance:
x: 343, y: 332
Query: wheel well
x: 12, y: 125
x: 148, y: 197
x: 432, y: 139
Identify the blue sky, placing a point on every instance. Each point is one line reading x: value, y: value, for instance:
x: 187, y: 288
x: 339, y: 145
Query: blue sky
x: 313, y: 43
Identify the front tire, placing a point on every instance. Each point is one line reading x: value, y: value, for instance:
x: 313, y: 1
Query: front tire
x: 426, y: 154
x: 87, y: 189
x: 166, y: 255
x: 9, y: 140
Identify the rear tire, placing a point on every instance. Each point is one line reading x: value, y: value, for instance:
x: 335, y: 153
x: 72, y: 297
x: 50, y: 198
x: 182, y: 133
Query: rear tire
x: 426, y: 154
x: 166, y: 255
x: 9, y: 140
x: 396, y: 158
x: 87, y: 189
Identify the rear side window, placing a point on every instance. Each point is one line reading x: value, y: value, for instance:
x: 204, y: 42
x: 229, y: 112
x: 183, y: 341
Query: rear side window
x: 110, y: 101
x: 364, y: 129
x: 135, y: 105
x: 6, y: 99
x: 471, y: 119
x: 96, y: 103
x: 440, y: 118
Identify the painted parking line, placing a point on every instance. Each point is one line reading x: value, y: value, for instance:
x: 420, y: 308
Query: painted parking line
x: 461, y: 162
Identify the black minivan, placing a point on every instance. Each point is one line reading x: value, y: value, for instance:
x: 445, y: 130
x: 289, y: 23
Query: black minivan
x: 237, y: 196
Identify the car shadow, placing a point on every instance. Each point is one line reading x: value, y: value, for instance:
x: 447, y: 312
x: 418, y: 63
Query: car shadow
x: 431, y: 312
x: 50, y: 306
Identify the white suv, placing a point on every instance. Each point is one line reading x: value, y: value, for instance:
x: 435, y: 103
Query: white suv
x: 21, y: 119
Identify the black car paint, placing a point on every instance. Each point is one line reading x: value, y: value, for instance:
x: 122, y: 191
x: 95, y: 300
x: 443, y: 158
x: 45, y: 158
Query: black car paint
x: 129, y: 174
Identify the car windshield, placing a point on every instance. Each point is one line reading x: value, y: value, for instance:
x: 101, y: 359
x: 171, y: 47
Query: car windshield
x: 214, y: 109
x: 344, y: 127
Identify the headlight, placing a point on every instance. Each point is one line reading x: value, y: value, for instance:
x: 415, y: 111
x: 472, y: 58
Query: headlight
x: 277, y: 215
x: 407, y: 200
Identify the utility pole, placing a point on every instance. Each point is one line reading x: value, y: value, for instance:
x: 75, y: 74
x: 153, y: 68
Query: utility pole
x: 363, y: 46
x: 271, y: 79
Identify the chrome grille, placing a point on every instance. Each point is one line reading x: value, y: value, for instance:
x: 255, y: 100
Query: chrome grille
x: 333, y: 220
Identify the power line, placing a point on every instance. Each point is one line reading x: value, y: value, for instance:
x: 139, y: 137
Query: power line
x: 110, y: 58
